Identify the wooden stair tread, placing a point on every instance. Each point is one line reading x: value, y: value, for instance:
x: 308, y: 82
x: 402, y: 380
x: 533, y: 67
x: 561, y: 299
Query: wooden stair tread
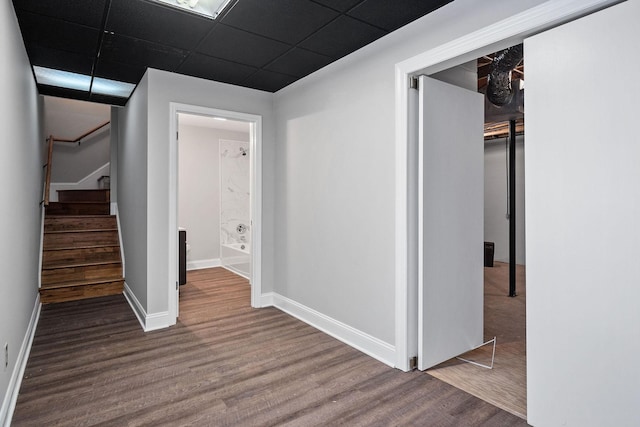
x: 80, y: 202
x: 80, y: 230
x: 81, y: 248
x: 78, y: 216
x: 75, y: 283
x: 106, y: 245
x: 78, y: 264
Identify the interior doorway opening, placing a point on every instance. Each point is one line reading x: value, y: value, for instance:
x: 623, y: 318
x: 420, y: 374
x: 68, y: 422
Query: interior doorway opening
x: 239, y: 135
x: 504, y: 314
x: 214, y: 192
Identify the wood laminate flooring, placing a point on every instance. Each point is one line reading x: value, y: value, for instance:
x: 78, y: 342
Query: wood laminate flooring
x: 505, y: 318
x: 223, y: 364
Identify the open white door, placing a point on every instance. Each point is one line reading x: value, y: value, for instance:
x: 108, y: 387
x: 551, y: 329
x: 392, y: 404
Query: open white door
x: 583, y: 205
x: 451, y: 221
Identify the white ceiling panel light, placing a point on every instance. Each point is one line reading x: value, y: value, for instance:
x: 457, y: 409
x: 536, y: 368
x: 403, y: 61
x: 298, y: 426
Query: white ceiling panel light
x: 82, y: 82
x: 209, y: 8
x: 112, y: 87
x: 65, y: 79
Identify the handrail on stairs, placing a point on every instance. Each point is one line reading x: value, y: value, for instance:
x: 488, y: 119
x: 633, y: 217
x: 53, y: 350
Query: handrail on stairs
x: 78, y: 139
x: 50, y: 141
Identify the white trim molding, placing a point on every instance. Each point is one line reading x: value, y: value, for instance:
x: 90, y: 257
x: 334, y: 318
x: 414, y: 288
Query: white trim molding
x: 149, y: 322
x: 255, y: 122
x: 497, y: 36
x: 200, y: 264
x: 116, y: 212
x: 369, y: 345
x: 11, y: 396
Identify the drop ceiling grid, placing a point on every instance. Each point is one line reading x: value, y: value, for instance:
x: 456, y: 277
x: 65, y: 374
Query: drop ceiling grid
x: 257, y: 43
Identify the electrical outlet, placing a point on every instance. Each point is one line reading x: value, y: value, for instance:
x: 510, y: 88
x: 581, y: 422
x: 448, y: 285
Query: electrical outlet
x: 6, y: 355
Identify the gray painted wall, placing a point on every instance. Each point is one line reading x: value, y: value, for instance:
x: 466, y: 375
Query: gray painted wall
x: 69, y: 118
x: 72, y: 162
x: 132, y: 190
x: 199, y: 188
x: 144, y: 179
x: 21, y: 172
x: 335, y: 172
x: 496, y: 225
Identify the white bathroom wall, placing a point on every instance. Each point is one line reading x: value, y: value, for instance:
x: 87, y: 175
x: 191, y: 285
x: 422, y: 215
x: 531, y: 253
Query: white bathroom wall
x: 496, y: 225
x: 235, y: 214
x: 199, y: 191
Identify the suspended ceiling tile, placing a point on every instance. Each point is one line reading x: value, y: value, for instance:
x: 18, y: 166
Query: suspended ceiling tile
x: 269, y: 81
x: 157, y: 23
x: 206, y: 67
x: 128, y: 50
x: 341, y: 5
x: 83, y: 12
x: 56, y: 34
x: 393, y: 15
x: 289, y: 21
x: 129, y: 73
x: 59, y: 60
x: 223, y: 43
x: 106, y: 99
x: 285, y: 39
x: 62, y: 92
x: 341, y: 37
x: 299, y: 62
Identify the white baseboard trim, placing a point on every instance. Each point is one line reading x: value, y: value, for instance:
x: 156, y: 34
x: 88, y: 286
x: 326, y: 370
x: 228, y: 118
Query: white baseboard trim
x: 149, y: 322
x: 267, y: 300
x: 371, y: 346
x: 199, y: 264
x: 114, y: 211
x: 11, y: 396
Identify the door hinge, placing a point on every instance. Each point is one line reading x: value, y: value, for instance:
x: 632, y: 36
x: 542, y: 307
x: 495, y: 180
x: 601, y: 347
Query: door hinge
x: 413, y: 82
x: 413, y: 363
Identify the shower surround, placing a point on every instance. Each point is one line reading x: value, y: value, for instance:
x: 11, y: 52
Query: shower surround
x: 235, y: 231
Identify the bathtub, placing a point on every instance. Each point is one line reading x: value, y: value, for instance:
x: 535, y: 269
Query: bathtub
x: 236, y: 257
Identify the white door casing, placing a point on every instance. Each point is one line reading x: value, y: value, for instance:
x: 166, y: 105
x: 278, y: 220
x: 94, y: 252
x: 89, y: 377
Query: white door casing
x: 497, y: 36
x: 255, y: 194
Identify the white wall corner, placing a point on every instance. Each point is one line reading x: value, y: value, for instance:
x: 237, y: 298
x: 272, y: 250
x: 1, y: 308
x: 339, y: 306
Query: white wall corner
x: 369, y: 345
x: 200, y: 264
x: 149, y: 322
x: 267, y: 300
x: 11, y: 396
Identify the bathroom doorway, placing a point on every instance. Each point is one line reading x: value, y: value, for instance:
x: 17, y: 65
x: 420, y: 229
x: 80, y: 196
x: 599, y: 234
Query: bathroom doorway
x: 216, y: 190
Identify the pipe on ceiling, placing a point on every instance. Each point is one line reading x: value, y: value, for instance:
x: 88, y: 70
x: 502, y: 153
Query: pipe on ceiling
x: 499, y: 89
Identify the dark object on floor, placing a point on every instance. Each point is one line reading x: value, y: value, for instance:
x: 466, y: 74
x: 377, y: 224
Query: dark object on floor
x: 489, y: 249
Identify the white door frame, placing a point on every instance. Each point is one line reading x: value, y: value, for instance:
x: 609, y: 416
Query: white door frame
x: 500, y: 35
x: 255, y: 144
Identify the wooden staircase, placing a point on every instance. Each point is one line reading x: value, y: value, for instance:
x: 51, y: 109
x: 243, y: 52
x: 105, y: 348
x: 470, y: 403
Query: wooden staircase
x: 81, y: 248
